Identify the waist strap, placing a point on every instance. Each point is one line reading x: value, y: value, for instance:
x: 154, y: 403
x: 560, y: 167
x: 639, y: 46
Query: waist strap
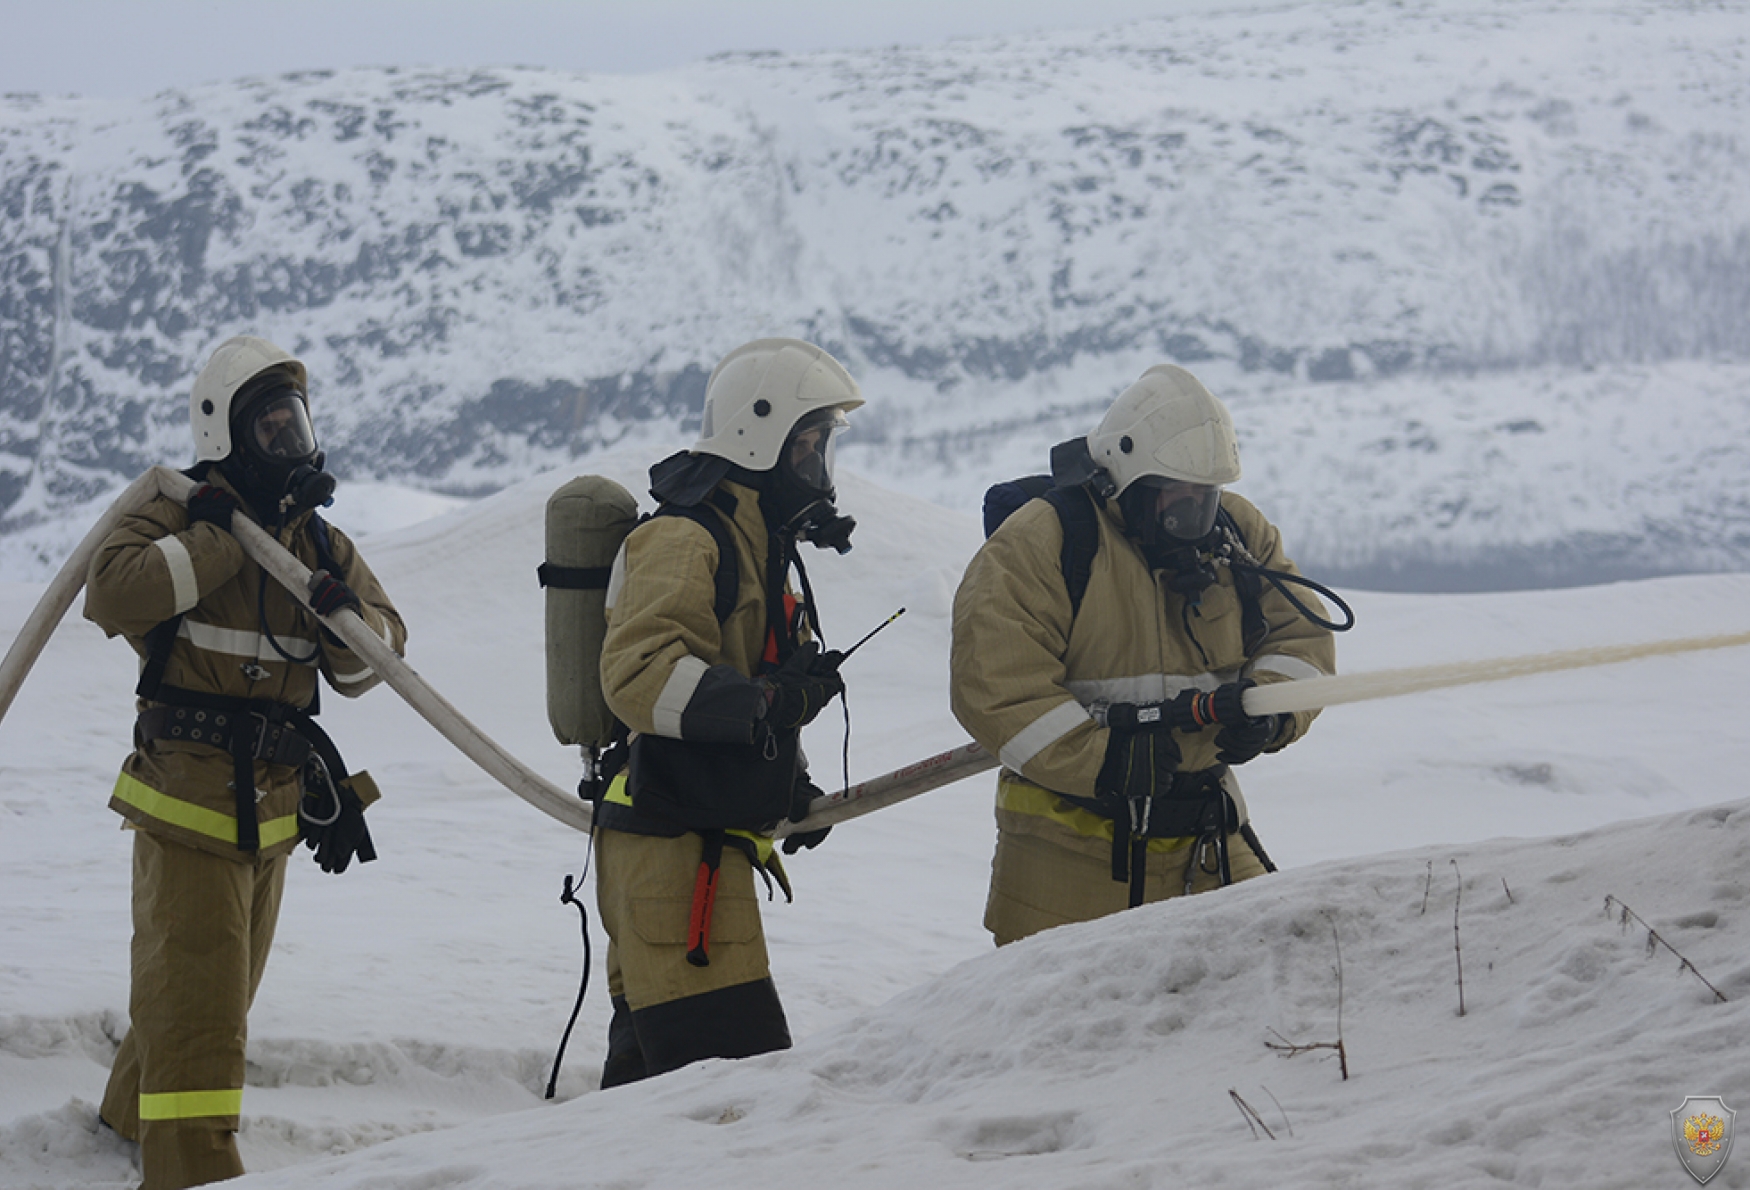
x: 1195, y: 807
x: 264, y: 739
x: 250, y: 729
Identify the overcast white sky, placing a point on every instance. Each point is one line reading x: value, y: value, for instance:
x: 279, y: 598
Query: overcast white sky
x: 125, y: 48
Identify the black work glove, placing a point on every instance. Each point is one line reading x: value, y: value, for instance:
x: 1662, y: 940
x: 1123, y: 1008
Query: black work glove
x: 1239, y: 744
x: 802, y: 797
x: 800, y: 688
x: 211, y: 504
x: 1242, y: 736
x: 335, y: 842
x: 808, y: 840
x: 1141, y: 753
x: 328, y: 595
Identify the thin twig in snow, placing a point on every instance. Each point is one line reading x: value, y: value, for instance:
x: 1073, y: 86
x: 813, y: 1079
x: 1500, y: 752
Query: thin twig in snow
x: 1285, y: 1124
x: 1457, y: 950
x: 1289, y: 1049
x: 1427, y: 887
x: 1250, y: 1114
x: 1342, y: 1050
x: 1508, y: 890
x: 1654, y: 940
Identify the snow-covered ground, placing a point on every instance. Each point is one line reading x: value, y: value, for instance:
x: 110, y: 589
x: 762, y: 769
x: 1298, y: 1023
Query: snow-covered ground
x: 409, y: 1017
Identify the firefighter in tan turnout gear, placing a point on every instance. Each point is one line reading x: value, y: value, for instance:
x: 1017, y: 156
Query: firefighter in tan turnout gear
x: 228, y: 771
x: 1113, y: 792
x: 713, y: 664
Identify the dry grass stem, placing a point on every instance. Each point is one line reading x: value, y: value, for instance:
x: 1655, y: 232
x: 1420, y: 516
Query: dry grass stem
x: 1457, y: 950
x: 1654, y: 941
x: 1289, y: 1049
x: 1250, y: 1114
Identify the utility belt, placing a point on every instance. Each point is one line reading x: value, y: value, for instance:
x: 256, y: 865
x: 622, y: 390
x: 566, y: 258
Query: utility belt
x: 250, y: 729
x: 1195, y: 807
x: 276, y: 742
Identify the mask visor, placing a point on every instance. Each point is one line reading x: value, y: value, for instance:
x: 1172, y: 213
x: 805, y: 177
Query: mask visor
x: 1184, y: 511
x: 280, y: 430
x: 808, y: 452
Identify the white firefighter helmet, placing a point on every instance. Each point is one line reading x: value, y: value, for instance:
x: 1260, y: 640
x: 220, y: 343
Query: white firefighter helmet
x: 1168, y: 426
x: 758, y: 393
x: 237, y: 361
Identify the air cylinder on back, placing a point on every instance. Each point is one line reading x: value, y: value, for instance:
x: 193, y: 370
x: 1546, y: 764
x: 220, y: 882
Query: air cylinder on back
x: 587, y: 519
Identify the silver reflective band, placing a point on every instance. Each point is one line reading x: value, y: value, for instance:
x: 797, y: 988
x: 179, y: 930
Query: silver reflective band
x: 677, y: 692
x: 1043, y: 732
x: 184, y: 590
x: 235, y: 643
x: 1289, y: 667
x: 1144, y: 687
x: 616, y: 579
x: 352, y: 676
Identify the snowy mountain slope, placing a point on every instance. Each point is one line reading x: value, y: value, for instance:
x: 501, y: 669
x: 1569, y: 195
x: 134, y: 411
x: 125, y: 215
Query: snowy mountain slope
x: 493, y: 273
x: 425, y: 993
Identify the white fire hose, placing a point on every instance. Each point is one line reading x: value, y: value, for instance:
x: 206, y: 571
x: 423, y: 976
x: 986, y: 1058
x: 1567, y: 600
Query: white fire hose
x: 1308, y: 694
x: 877, y: 793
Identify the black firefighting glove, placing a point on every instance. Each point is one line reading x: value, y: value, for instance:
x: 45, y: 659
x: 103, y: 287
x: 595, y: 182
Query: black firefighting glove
x: 211, y: 504
x: 800, y: 688
x: 1141, y: 753
x: 1242, y: 736
x: 1239, y: 744
x: 328, y: 595
x: 801, y: 798
x: 331, y: 822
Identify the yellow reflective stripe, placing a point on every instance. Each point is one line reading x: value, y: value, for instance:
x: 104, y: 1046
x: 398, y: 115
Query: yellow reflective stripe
x: 1020, y: 796
x: 617, y: 792
x: 199, y: 819
x: 763, y: 844
x: 189, y: 1105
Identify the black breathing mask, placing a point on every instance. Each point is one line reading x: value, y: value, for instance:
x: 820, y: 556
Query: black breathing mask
x: 801, y: 493
x: 828, y: 529
x: 274, y: 461
x: 1176, y: 534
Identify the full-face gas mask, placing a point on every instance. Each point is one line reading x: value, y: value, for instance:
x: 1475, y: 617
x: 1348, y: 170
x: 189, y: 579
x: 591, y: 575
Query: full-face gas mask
x: 1170, y: 511
x: 273, y: 459
x: 1172, y: 520
x: 801, y: 491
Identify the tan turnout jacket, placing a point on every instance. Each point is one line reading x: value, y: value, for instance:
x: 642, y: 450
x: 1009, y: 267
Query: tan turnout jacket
x: 668, y: 667
x: 157, y: 565
x: 1023, y: 673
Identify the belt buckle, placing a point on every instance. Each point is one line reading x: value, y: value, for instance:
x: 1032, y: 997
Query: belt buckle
x: 258, y: 749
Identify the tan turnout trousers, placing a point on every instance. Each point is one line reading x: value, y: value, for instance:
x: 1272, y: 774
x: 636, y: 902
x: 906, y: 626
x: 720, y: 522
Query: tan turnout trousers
x: 1044, y: 875
x: 644, y: 886
x: 203, y: 927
